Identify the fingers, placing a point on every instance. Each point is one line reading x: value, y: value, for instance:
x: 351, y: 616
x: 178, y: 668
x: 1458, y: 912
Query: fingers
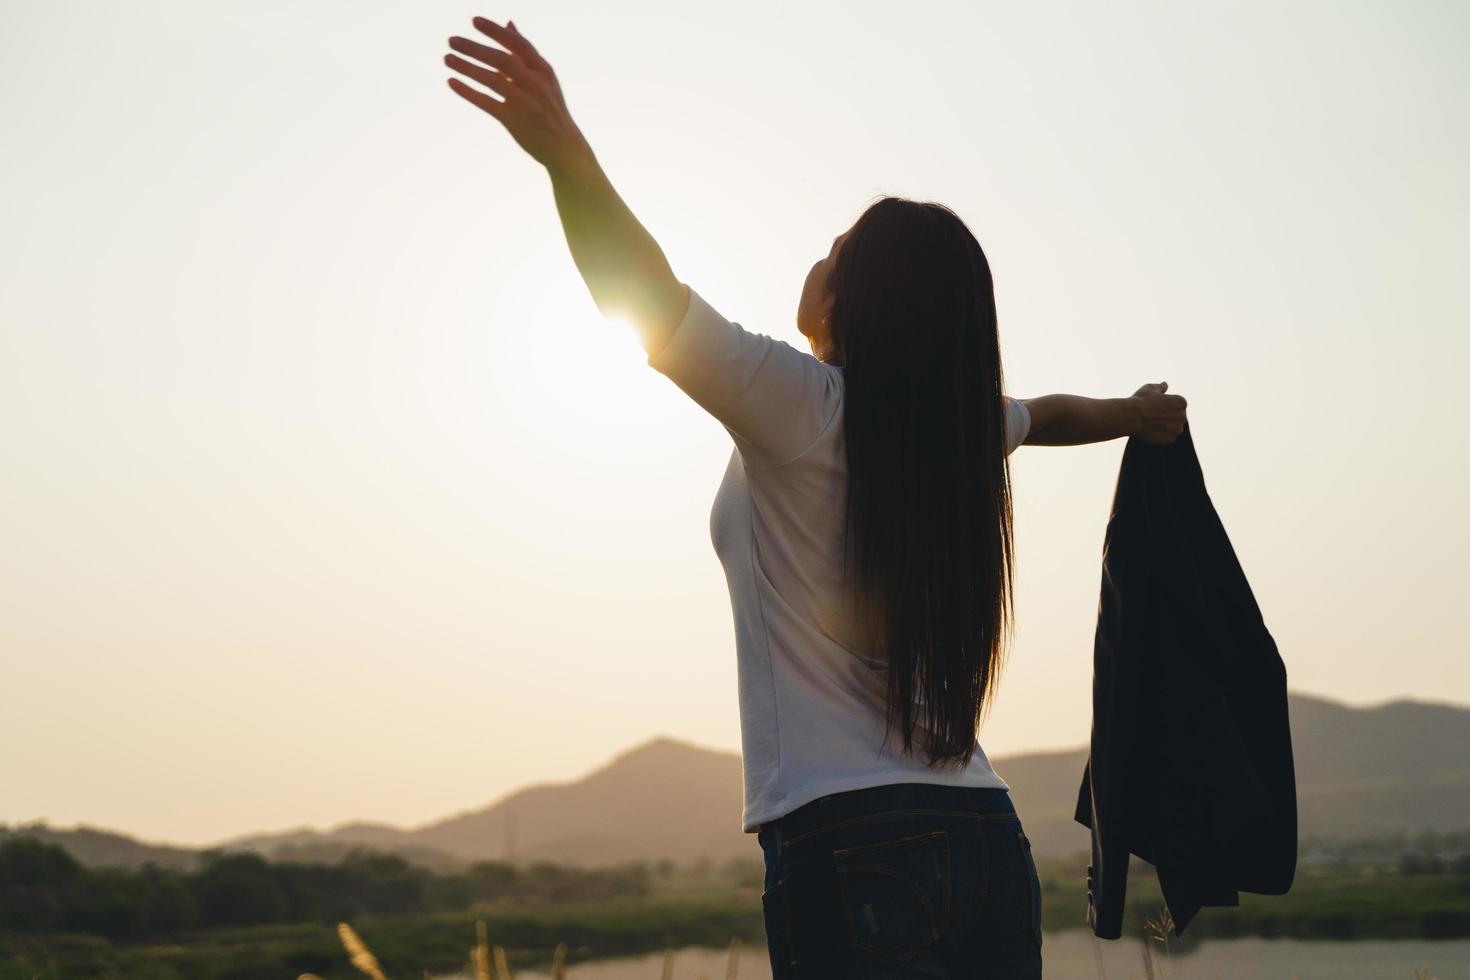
x: 493, y: 57
x: 493, y: 80
x: 513, y: 40
x: 484, y: 100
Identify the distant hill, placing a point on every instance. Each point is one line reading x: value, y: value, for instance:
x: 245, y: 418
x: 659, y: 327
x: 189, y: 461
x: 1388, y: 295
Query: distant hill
x: 1399, y: 766
x: 662, y: 799
x: 95, y: 847
x: 1404, y: 765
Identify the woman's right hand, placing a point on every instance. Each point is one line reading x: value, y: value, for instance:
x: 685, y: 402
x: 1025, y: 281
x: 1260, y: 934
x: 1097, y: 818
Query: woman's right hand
x: 1160, y: 416
x: 531, y: 106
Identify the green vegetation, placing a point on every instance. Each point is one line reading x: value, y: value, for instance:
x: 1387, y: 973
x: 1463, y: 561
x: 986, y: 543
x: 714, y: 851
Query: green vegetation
x: 233, y: 919
x: 45, y: 889
x: 404, y: 945
x: 1390, y: 887
x: 1319, y: 906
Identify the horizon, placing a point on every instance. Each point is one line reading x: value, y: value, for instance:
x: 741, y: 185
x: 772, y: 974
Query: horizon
x: 607, y: 763
x: 330, y: 491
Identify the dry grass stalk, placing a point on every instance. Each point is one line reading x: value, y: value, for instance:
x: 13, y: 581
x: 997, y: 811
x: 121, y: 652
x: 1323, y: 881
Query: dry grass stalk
x: 559, y: 962
x: 357, y: 951
x: 1158, y: 930
x: 480, y: 962
x: 480, y: 953
x: 732, y: 963
x: 502, y: 965
x: 1102, y: 974
x: 668, y: 973
x: 1148, y: 960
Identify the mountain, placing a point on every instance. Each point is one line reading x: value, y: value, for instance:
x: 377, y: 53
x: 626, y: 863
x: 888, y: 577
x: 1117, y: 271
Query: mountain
x: 1401, y: 766
x: 663, y: 799
x: 310, y: 846
x: 1395, y: 767
x: 96, y: 847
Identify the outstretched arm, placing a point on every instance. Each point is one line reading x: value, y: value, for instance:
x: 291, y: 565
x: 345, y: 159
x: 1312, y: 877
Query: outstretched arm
x: 624, y: 269
x: 1073, y: 420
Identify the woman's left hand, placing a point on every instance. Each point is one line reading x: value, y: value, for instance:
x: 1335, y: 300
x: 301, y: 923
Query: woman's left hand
x: 531, y: 106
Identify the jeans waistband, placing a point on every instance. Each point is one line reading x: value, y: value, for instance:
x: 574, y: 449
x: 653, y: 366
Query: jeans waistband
x: 893, y: 796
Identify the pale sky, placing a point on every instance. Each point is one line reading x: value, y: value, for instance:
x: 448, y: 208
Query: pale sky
x: 329, y: 495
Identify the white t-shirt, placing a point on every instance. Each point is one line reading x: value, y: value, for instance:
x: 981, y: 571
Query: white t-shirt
x: 811, y: 700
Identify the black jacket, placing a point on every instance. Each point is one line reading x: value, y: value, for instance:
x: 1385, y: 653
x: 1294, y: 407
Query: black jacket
x: 1190, y: 765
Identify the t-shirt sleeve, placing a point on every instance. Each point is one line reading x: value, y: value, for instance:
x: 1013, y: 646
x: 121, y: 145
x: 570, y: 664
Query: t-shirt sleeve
x: 1018, y: 423
x: 774, y: 400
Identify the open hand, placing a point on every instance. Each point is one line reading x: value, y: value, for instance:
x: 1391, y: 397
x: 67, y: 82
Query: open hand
x: 531, y: 106
x: 1161, y: 416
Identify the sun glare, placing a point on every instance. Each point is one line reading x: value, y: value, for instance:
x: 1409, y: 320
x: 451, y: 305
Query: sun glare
x: 581, y: 374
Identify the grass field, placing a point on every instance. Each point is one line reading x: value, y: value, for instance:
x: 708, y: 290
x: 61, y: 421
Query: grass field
x: 693, y: 912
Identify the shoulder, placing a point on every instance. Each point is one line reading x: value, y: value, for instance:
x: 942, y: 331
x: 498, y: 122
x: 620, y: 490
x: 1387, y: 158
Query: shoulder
x: 773, y: 398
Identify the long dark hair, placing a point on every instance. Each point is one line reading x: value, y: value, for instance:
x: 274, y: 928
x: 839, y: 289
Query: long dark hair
x: 928, y: 524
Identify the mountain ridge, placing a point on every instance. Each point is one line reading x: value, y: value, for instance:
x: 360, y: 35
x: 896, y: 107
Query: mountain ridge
x: 1361, y: 770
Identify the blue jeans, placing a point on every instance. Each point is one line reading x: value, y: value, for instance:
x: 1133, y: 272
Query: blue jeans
x: 904, y: 880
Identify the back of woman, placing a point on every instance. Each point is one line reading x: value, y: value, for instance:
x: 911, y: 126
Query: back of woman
x: 828, y: 781
x: 813, y: 684
x: 864, y: 526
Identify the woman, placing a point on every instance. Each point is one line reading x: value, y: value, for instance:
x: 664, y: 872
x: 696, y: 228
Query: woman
x: 864, y: 524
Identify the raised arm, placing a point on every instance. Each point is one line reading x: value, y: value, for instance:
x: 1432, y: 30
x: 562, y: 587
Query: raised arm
x: 1074, y: 420
x: 624, y: 269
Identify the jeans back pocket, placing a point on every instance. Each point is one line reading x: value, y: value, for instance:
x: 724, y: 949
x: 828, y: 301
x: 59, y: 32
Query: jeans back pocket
x: 778, y: 930
x: 896, y: 893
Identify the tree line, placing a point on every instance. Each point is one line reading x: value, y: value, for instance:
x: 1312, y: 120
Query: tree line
x: 43, y: 888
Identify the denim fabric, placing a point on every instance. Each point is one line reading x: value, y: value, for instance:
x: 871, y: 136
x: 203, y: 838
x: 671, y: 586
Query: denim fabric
x: 905, y: 880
